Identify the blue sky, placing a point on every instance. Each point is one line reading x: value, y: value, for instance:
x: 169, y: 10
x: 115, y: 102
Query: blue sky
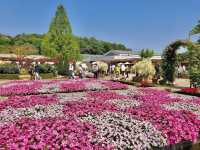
x: 135, y: 23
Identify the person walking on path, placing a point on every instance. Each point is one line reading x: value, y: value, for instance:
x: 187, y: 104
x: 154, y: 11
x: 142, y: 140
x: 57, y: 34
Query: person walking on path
x: 81, y: 72
x: 95, y: 70
x: 37, y: 71
x: 71, y: 71
x: 117, y: 71
x: 127, y: 71
x: 123, y: 69
x: 31, y: 71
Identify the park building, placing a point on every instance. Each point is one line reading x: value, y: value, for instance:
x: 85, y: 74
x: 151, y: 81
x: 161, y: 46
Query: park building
x: 120, y: 56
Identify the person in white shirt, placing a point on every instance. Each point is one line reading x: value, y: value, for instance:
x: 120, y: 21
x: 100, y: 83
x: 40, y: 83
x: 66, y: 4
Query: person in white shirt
x: 113, y: 69
x: 123, y: 69
x: 71, y: 71
x: 95, y: 70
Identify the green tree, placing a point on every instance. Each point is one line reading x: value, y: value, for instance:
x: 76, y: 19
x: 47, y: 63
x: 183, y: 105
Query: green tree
x: 196, y: 29
x: 59, y: 41
x: 146, y: 53
x: 5, y: 40
x: 94, y: 46
x: 29, y: 39
x: 194, y: 64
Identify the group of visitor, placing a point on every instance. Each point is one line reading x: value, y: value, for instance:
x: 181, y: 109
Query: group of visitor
x: 181, y: 70
x: 119, y: 70
x: 116, y: 71
x: 34, y: 71
x: 79, y: 70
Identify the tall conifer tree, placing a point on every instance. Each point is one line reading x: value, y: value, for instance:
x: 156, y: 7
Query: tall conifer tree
x: 59, y: 41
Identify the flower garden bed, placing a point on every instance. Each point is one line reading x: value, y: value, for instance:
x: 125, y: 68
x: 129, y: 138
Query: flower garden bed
x: 136, y: 118
x: 56, y: 86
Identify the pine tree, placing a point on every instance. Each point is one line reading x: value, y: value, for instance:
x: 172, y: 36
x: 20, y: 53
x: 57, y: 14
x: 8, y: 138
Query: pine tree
x: 59, y: 42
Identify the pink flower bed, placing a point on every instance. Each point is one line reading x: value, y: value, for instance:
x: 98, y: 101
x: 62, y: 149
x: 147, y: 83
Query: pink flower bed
x: 54, y: 86
x: 27, y: 101
x: 138, y: 118
x: 55, y: 133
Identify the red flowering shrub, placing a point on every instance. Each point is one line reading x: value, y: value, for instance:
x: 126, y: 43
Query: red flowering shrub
x: 190, y: 90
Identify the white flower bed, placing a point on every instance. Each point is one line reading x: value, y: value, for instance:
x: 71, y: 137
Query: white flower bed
x: 49, y: 88
x: 37, y: 111
x: 181, y: 96
x: 123, y: 132
x: 94, y: 86
x: 68, y: 97
x: 184, y: 106
x: 124, y: 103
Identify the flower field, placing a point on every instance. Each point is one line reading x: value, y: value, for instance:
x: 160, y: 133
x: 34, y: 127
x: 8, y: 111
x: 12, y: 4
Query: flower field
x: 94, y: 114
x: 55, y: 86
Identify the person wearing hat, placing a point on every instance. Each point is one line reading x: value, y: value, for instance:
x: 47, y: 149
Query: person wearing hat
x: 31, y: 71
x: 95, y: 69
x: 71, y: 71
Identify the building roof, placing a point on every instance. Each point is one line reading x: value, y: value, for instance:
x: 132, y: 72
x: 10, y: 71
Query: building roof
x: 116, y: 58
x: 118, y: 52
x: 156, y: 53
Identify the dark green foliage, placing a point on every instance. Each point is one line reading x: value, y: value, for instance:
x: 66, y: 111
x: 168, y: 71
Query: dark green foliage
x: 62, y: 69
x: 196, y: 29
x: 195, y: 78
x: 169, y: 60
x: 32, y: 39
x: 97, y: 47
x: 5, y: 40
x: 146, y: 53
x: 9, y: 69
x: 28, y: 43
x: 194, y: 64
x: 32, y: 44
x: 46, y: 68
x: 47, y: 75
x: 9, y: 76
x: 183, y: 57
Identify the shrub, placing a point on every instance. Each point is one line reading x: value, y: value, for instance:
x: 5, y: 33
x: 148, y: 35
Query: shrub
x: 46, y: 68
x: 9, y: 69
x: 146, y: 53
x: 195, y: 78
x: 62, y: 69
x: 144, y: 68
x: 23, y: 71
x: 190, y: 90
x: 9, y: 76
x: 47, y: 75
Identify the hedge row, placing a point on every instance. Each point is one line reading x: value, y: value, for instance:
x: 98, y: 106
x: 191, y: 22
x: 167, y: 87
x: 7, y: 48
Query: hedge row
x: 9, y: 76
x: 16, y: 76
x: 47, y: 75
x: 9, y: 69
